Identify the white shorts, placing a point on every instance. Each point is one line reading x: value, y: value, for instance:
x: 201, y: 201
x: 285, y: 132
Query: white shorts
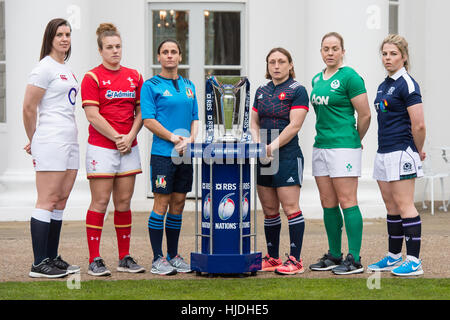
x: 397, y: 165
x: 109, y: 163
x: 338, y: 162
x: 53, y: 156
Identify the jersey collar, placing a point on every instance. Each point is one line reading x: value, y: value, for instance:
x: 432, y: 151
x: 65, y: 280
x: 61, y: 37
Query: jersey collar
x: 398, y: 74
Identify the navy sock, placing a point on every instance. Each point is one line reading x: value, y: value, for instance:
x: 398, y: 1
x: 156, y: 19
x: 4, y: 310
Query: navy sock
x: 54, y: 234
x: 395, y: 233
x: 173, y: 227
x: 413, y: 232
x: 156, y: 231
x: 272, y: 228
x: 39, y: 227
x: 296, y: 231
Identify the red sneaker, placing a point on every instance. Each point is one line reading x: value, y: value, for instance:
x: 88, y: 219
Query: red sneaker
x: 270, y: 264
x: 290, y: 266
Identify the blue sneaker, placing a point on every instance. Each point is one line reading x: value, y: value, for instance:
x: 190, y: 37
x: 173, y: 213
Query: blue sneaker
x: 409, y: 268
x: 386, y: 264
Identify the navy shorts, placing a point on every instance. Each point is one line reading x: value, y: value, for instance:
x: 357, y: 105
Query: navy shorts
x: 168, y: 177
x: 288, y: 172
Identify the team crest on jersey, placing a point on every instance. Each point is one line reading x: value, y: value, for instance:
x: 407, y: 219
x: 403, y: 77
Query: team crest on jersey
x: 335, y: 84
x: 131, y: 82
x: 189, y: 93
x: 282, y: 96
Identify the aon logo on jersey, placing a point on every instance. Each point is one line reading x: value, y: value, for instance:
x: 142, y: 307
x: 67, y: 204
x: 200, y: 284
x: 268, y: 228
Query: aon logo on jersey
x: 319, y: 100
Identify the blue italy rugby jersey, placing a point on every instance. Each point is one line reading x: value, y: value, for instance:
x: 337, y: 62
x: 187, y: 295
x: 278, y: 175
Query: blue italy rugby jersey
x: 273, y: 105
x: 173, y: 103
x: 394, y: 95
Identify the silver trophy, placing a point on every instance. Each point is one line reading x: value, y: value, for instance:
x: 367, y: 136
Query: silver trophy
x: 230, y: 118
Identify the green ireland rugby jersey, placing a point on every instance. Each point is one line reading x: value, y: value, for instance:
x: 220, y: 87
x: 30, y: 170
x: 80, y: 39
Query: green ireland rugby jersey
x: 335, y: 114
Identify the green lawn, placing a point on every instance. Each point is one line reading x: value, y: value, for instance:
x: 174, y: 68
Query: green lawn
x: 231, y: 289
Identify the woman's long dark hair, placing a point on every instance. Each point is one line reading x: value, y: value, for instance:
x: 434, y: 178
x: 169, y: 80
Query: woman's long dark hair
x: 49, y: 35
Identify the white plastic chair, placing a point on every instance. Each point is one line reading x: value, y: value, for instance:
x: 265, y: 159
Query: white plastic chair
x: 430, y: 175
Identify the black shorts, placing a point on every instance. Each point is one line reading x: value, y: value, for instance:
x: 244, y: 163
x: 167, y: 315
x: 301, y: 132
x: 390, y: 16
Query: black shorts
x: 167, y: 177
x: 288, y: 172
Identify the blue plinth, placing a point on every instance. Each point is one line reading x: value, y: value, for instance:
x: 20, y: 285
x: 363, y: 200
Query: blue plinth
x: 226, y: 209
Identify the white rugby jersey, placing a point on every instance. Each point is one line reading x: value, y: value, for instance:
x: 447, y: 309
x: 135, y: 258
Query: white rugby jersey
x: 56, y: 110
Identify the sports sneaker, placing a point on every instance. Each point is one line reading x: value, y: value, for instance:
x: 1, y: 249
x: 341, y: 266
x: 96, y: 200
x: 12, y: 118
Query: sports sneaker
x: 409, y: 268
x: 349, y: 266
x: 270, y: 264
x: 179, y: 264
x: 97, y: 268
x: 386, y: 264
x: 128, y: 264
x: 162, y: 267
x: 327, y: 262
x: 64, y: 265
x: 46, y: 269
x: 290, y: 266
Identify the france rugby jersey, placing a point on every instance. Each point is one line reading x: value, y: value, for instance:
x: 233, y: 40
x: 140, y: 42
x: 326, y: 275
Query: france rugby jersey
x: 173, y: 104
x: 273, y: 105
x: 394, y: 95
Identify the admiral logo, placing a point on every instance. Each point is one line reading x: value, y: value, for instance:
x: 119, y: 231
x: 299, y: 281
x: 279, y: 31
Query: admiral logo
x: 319, y: 100
x: 110, y: 94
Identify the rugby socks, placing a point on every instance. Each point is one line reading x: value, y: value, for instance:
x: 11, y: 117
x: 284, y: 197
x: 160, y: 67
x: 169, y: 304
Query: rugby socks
x: 333, y: 221
x: 94, y: 226
x: 173, y: 227
x: 296, y: 223
x: 413, y: 231
x: 395, y: 233
x: 272, y: 228
x: 40, y: 227
x: 156, y: 231
x: 354, y: 228
x: 54, y: 233
x: 122, y: 224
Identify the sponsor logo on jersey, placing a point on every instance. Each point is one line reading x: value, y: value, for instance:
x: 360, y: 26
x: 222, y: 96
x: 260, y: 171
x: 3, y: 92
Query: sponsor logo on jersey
x: 106, y: 82
x: 63, y: 77
x: 189, y: 93
x: 390, y: 91
x: 260, y: 97
x: 282, y: 96
x: 72, y: 96
x: 335, y: 84
x: 319, y: 100
x: 167, y: 94
x: 110, y: 94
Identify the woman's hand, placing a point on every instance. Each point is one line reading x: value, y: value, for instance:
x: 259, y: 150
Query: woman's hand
x: 124, y: 143
x: 27, y: 148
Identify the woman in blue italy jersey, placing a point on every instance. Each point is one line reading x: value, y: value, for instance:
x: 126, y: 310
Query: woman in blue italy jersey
x: 170, y: 111
x: 280, y: 107
x: 401, y: 136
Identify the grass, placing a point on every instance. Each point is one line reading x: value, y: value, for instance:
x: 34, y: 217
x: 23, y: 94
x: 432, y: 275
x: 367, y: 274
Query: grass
x: 230, y: 289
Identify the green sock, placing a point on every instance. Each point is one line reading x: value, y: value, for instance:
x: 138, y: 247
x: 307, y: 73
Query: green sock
x: 332, y: 219
x: 354, y: 228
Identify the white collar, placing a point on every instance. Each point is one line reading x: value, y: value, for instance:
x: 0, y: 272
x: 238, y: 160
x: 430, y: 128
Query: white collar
x: 398, y: 74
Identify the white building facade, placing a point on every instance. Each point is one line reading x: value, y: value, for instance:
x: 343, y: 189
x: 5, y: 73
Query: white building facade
x: 222, y: 37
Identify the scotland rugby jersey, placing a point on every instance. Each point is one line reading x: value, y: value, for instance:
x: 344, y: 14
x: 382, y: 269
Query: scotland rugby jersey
x: 394, y: 96
x: 173, y: 104
x: 116, y: 93
x: 273, y: 105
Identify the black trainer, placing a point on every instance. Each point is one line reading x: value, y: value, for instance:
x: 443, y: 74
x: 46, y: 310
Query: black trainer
x: 349, y: 266
x: 46, y: 269
x: 327, y: 262
x: 64, y: 265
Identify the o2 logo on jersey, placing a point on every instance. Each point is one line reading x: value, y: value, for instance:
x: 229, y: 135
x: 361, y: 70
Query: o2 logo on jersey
x: 335, y: 84
x: 207, y: 207
x: 72, y: 96
x: 226, y: 207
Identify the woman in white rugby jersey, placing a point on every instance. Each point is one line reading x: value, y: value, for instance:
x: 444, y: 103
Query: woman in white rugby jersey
x: 50, y: 98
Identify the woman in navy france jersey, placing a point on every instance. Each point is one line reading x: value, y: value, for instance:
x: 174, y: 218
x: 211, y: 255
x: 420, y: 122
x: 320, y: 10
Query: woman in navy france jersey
x: 280, y: 107
x: 401, y: 136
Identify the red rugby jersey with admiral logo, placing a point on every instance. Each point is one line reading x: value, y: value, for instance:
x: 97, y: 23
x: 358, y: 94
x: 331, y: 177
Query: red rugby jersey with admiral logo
x: 116, y: 93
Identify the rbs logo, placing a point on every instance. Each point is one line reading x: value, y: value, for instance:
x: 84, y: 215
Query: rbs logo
x: 319, y: 100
